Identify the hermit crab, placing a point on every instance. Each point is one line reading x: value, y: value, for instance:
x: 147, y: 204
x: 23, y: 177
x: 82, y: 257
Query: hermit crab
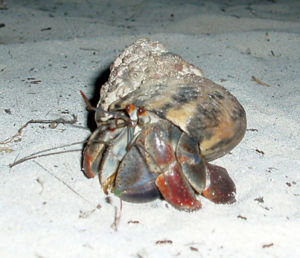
x: 160, y: 122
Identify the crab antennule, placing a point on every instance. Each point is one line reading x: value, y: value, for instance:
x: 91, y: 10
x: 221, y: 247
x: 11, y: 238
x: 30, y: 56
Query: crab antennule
x: 131, y: 110
x: 99, y: 109
x: 87, y: 102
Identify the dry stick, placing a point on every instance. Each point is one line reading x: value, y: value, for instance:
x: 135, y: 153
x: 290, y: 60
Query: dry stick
x: 89, y: 49
x: 117, y: 218
x: 258, y: 81
x: 63, y: 182
x: 55, y: 121
x: 42, y: 185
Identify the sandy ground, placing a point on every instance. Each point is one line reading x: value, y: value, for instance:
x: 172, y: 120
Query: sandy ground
x: 50, y: 51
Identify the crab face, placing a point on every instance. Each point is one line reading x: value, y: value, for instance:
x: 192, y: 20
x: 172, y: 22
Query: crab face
x: 159, y: 123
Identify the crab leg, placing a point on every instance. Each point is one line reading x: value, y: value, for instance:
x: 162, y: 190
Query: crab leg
x: 105, y: 140
x: 212, y: 181
x: 176, y: 190
x: 92, y: 153
x: 160, y: 144
x: 134, y: 181
x: 107, y: 146
x: 220, y: 187
x: 112, y: 157
x: 193, y: 165
x: 150, y: 168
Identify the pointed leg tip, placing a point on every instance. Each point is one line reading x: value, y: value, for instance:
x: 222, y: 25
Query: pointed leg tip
x: 195, y: 206
x: 221, y: 188
x: 219, y: 198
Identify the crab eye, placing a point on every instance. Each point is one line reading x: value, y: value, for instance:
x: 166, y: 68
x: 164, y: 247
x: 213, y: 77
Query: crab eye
x: 142, y: 111
x: 143, y: 116
x: 130, y: 108
x: 132, y: 112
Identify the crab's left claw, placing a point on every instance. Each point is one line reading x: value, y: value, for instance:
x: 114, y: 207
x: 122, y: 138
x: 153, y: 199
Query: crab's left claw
x: 220, y: 188
x: 176, y: 190
x: 161, y: 145
x: 150, y: 168
x: 134, y: 182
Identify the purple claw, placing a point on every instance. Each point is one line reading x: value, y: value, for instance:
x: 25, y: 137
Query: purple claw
x: 134, y: 182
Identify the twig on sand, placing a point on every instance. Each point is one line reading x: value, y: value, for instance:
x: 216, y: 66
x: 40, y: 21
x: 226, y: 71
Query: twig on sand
x: 6, y: 149
x: 41, y: 183
x: 267, y: 245
x: 258, y: 81
x: 117, y: 218
x: 53, y: 124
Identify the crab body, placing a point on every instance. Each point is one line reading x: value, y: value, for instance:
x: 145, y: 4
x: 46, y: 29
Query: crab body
x: 157, y: 134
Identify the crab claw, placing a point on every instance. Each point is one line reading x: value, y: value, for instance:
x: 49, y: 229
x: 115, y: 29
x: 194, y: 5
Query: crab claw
x: 172, y: 182
x: 92, y: 153
x: 193, y: 165
x: 134, y: 181
x: 176, y: 190
x: 101, y: 154
x: 150, y: 168
x: 220, y: 187
x: 89, y: 164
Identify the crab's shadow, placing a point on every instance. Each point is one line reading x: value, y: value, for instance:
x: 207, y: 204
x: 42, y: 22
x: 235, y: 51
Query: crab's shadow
x: 97, y: 83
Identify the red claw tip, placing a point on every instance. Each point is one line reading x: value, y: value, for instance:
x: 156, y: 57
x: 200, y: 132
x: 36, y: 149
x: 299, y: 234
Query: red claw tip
x: 86, y: 165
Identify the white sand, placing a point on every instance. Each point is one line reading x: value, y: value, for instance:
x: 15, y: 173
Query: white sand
x: 40, y: 216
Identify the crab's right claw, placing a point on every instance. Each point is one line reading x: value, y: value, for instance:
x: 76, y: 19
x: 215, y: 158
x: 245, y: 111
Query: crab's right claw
x: 92, y: 155
x: 88, y: 164
x: 220, y: 188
